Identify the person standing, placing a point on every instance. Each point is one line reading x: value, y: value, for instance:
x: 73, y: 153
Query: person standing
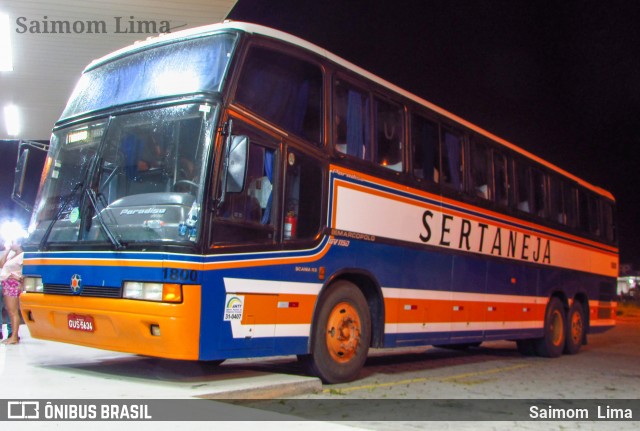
x: 11, y: 277
x: 4, y: 312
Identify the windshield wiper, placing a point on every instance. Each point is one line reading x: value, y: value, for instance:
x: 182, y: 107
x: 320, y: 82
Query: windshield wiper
x: 91, y: 195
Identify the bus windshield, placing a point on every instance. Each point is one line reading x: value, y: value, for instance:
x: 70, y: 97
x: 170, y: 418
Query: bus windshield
x: 134, y: 177
x: 183, y: 67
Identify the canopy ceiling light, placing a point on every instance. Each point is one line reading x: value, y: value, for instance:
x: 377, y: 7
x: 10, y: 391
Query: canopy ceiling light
x: 12, y: 120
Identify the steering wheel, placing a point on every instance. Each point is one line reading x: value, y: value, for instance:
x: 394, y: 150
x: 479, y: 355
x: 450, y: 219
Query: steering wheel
x: 192, y: 185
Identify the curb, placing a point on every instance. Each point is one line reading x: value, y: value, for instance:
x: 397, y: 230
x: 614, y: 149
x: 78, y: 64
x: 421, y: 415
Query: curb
x: 264, y: 387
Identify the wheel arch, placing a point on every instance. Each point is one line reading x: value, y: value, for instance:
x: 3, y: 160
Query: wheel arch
x: 562, y: 296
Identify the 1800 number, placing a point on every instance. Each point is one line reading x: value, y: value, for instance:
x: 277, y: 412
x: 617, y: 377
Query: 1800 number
x: 182, y: 275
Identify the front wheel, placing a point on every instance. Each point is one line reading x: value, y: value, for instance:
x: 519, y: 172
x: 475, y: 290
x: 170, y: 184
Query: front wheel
x: 552, y: 343
x: 341, y: 335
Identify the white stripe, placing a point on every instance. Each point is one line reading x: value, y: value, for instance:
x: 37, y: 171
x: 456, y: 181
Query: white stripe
x: 442, y: 295
x: 406, y: 328
x: 267, y: 330
x: 244, y: 285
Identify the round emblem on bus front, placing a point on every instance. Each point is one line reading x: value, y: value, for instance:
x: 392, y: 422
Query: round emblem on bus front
x: 76, y: 284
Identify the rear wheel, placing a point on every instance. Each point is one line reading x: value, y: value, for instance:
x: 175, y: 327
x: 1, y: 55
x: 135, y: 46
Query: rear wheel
x: 341, y: 335
x: 575, y: 329
x: 552, y: 343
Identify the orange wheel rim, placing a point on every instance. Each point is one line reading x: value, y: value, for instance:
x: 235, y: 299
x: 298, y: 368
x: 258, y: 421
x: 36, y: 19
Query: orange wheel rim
x: 557, y: 328
x: 576, y: 328
x: 343, y: 332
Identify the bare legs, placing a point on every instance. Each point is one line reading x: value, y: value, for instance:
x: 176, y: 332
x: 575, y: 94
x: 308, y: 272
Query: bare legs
x: 12, y: 306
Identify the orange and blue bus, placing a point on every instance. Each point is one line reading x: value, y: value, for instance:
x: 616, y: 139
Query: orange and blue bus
x: 234, y: 191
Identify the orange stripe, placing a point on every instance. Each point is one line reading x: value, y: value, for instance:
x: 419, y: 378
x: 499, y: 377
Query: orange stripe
x: 263, y: 309
x: 439, y: 311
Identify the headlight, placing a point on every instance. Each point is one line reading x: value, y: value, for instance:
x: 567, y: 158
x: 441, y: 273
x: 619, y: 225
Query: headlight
x: 159, y: 292
x: 33, y: 284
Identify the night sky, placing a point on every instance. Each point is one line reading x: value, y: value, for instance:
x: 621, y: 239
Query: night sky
x: 558, y: 78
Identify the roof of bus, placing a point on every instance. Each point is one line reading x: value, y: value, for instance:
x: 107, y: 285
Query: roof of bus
x: 286, y: 37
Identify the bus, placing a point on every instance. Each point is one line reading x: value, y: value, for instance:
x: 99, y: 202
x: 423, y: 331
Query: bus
x: 234, y: 191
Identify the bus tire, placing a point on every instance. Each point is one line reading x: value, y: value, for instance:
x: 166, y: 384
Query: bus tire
x: 575, y: 329
x: 341, y: 335
x: 551, y: 345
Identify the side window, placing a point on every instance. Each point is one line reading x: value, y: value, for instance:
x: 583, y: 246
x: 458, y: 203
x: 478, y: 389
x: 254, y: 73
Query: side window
x: 452, y: 160
x: 303, y: 197
x: 523, y: 183
x: 389, y: 135
x: 425, y: 149
x: 539, y: 190
x: 608, y: 221
x: 595, y: 216
x: 479, y: 169
x: 583, y: 211
x: 556, y: 209
x: 247, y: 217
x: 570, y: 206
x: 501, y: 179
x: 284, y: 90
x: 352, y: 121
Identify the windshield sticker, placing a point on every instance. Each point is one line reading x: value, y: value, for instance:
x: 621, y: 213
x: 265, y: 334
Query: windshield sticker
x: 74, y: 215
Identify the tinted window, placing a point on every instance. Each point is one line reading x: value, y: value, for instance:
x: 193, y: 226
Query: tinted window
x: 177, y: 68
x: 539, y: 190
x: 284, y: 90
x: 452, y: 160
x: 583, y: 211
x: 569, y: 202
x: 501, y: 179
x: 352, y: 121
x: 479, y: 169
x: 556, y: 208
x: 303, y: 197
x: 523, y: 195
x: 607, y: 218
x: 389, y: 135
x: 425, y: 152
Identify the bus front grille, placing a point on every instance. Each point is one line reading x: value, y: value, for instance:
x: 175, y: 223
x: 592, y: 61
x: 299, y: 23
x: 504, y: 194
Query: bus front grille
x: 99, y: 292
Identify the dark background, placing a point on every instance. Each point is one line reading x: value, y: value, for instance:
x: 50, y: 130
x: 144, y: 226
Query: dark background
x: 558, y: 78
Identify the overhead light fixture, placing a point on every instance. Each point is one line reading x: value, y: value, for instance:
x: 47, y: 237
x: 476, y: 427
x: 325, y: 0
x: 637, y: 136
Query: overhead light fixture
x: 12, y: 120
x: 6, y: 56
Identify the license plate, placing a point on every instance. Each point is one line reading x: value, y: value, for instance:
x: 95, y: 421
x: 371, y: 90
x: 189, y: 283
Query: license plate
x: 77, y: 322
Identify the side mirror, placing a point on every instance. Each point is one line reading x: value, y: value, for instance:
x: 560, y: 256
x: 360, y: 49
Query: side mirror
x: 234, y: 165
x: 20, y: 173
x: 237, y: 168
x: 23, y: 194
